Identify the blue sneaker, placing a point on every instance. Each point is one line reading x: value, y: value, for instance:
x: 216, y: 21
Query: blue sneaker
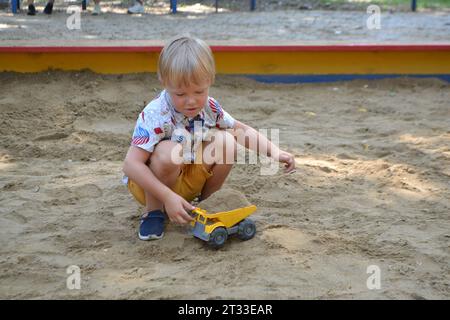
x: 152, y: 226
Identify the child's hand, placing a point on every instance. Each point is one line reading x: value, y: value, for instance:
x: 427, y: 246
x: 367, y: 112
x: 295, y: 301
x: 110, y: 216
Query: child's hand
x: 176, y: 208
x: 289, y: 161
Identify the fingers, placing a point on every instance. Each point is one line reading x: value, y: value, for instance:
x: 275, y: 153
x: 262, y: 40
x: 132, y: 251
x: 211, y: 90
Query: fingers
x: 178, y: 210
x: 185, y: 217
x: 188, y: 206
x: 182, y: 216
x: 290, y: 166
x: 289, y: 163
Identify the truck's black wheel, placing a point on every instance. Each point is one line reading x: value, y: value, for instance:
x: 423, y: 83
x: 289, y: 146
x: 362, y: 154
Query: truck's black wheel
x: 246, y: 229
x: 218, y: 237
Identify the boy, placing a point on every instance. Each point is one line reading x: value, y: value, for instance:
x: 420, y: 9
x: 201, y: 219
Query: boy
x: 169, y: 125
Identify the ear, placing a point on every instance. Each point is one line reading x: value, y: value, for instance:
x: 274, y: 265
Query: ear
x: 161, y: 80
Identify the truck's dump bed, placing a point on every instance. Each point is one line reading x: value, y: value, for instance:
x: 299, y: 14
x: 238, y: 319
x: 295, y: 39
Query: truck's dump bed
x: 230, y: 218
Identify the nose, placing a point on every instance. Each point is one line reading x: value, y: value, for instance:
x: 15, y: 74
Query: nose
x: 190, y: 101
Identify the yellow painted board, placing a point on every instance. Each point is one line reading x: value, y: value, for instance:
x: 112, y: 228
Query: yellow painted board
x: 323, y: 62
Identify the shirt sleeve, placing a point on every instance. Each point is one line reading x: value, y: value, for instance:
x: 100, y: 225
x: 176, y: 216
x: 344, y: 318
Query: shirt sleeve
x: 223, y: 119
x: 147, y: 132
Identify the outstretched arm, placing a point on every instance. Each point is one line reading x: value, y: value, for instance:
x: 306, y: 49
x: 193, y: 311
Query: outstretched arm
x: 255, y: 141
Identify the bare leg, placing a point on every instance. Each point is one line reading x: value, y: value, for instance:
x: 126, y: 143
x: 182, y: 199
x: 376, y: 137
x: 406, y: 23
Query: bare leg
x: 164, y: 169
x: 220, y: 173
x: 223, y: 155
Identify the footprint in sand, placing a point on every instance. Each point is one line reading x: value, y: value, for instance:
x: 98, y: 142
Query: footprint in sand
x: 52, y: 136
x: 287, y: 238
x: 17, y: 217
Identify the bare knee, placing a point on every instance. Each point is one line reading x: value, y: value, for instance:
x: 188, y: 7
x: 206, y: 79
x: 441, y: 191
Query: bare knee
x: 229, y: 147
x: 165, y: 157
x: 222, y: 149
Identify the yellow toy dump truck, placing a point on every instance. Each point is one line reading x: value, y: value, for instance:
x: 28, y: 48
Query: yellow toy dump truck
x: 216, y: 227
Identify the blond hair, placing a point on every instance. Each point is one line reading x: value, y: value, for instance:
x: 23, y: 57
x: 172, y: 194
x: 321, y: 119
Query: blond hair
x: 186, y: 60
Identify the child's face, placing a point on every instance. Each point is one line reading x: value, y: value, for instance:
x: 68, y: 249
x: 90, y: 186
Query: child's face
x: 189, y: 100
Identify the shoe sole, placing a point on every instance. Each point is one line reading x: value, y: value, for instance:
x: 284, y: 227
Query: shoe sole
x: 150, y: 237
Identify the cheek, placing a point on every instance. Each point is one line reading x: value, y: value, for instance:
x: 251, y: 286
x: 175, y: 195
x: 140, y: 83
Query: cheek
x: 201, y: 101
x: 178, y: 102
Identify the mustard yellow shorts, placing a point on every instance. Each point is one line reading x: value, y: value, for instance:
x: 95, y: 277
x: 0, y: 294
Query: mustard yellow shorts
x: 189, y: 183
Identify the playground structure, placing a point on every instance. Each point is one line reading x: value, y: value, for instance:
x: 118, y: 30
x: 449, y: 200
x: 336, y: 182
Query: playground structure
x: 281, y: 62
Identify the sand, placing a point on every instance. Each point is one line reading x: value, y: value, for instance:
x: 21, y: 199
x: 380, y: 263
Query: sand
x: 372, y: 187
x: 225, y: 200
